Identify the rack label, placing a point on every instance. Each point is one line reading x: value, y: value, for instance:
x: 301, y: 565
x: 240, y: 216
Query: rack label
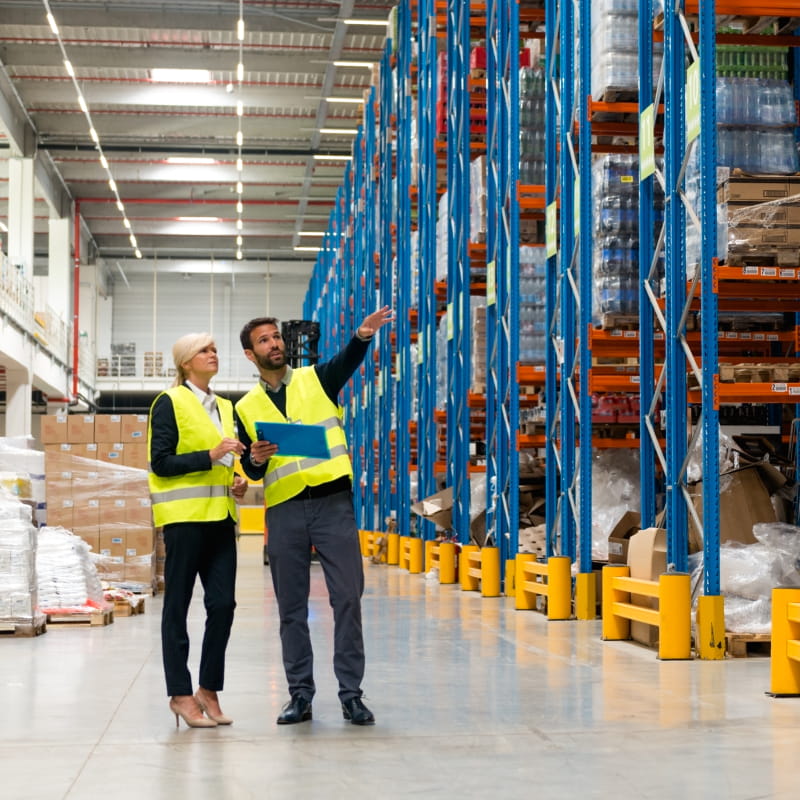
x: 647, y: 143
x: 551, y: 229
x: 491, y: 283
x: 693, y: 101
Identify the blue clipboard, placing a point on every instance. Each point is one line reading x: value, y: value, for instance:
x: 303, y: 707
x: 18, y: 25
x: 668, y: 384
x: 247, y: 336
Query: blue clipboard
x: 295, y: 440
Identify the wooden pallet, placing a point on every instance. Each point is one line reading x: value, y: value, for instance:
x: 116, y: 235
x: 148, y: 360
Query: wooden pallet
x: 12, y: 629
x: 129, y: 608
x: 81, y: 620
x: 742, y: 645
x: 621, y: 321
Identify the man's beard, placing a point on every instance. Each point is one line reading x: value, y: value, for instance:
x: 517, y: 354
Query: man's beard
x: 271, y: 362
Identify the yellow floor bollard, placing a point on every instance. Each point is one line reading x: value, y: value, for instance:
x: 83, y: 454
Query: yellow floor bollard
x: 393, y: 550
x: 523, y: 601
x: 675, y: 616
x: 511, y: 566
x: 490, y: 572
x: 559, y: 587
x: 447, y: 562
x: 784, y: 674
x: 403, y: 559
x: 585, y: 595
x: 416, y: 556
x: 710, y: 643
x: 362, y: 543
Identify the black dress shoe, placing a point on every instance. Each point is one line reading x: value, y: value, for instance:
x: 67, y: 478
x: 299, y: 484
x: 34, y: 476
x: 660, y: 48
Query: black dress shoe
x: 355, y: 711
x: 298, y: 709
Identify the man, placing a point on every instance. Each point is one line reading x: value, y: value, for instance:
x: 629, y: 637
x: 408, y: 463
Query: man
x: 309, y: 504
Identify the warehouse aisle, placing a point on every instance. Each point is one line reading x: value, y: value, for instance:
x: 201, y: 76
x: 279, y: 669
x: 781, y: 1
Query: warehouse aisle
x: 472, y: 699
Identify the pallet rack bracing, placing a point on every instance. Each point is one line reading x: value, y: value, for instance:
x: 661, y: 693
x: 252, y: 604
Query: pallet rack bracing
x: 502, y: 280
x: 426, y: 257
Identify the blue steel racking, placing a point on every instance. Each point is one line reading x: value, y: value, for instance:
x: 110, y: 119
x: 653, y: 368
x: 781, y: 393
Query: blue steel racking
x: 458, y: 266
x: 403, y: 381
x: 426, y: 269
x: 502, y: 278
x: 386, y: 385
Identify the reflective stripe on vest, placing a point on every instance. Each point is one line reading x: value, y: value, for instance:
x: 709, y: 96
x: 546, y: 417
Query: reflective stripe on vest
x: 306, y: 402
x: 196, y: 496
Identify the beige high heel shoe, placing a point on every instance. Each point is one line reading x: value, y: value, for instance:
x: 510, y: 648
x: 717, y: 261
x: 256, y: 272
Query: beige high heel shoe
x: 219, y: 719
x: 192, y: 722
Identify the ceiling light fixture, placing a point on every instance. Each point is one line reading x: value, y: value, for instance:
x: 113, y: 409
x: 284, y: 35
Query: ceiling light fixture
x: 161, y: 75
x: 197, y: 219
x: 92, y: 131
x: 360, y: 64
x: 192, y: 160
x: 331, y: 157
x: 339, y: 131
x: 311, y: 233
x: 3, y: 227
x: 307, y: 248
x: 355, y: 100
x: 353, y: 21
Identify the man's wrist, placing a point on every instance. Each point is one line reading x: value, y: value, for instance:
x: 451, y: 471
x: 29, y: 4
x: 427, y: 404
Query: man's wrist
x: 362, y: 337
x: 255, y: 463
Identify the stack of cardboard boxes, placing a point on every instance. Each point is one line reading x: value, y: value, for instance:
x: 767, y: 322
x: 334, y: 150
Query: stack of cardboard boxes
x: 96, y: 486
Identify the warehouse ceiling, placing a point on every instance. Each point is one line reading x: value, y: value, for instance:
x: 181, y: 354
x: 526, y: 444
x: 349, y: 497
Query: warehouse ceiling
x: 171, y: 145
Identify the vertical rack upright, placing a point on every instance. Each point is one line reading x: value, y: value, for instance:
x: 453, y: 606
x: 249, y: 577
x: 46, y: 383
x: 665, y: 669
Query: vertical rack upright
x: 426, y: 270
x: 502, y: 278
x: 458, y: 266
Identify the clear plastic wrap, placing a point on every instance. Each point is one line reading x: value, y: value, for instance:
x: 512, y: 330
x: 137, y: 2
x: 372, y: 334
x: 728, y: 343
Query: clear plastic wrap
x: 18, y: 586
x: 67, y: 577
x: 694, y: 469
x: 615, y: 490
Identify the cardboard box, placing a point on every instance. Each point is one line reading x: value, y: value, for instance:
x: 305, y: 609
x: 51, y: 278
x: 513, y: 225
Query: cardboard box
x: 139, y: 541
x: 629, y: 524
x: 113, y: 511
x: 134, y: 428
x: 111, y: 453
x: 90, y: 534
x: 745, y: 499
x: 89, y: 450
x: 438, y: 509
x: 108, y: 427
x: 80, y: 428
x: 140, y: 570
x: 53, y: 429
x: 138, y: 511
x: 60, y: 513
x: 647, y: 558
x: 759, y: 189
x: 135, y: 455
x: 112, y: 543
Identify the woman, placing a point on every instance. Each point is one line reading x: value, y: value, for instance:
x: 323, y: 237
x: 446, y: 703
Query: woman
x: 192, y: 442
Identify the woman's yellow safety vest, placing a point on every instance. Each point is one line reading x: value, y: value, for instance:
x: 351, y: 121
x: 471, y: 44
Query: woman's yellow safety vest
x: 195, y: 496
x: 306, y: 402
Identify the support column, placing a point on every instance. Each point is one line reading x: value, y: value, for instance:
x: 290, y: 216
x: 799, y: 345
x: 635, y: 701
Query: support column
x: 18, y: 402
x: 20, y: 213
x: 59, y: 267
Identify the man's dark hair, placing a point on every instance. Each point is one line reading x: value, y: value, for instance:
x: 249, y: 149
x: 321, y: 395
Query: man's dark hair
x: 244, y: 335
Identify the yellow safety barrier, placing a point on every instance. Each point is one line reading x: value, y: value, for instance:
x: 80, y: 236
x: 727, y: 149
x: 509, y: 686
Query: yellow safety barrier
x: 393, y: 549
x: 551, y: 580
x: 479, y: 567
x: 411, y: 554
x: 673, y: 617
x: 442, y: 556
x: 785, y: 652
x: 371, y: 544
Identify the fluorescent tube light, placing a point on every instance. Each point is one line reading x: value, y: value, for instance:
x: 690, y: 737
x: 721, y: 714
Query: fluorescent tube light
x: 160, y: 75
x: 198, y: 219
x: 138, y: 253
x: 191, y: 160
x: 311, y: 233
x: 344, y: 99
x: 52, y: 22
x: 68, y: 67
x: 307, y: 248
x: 340, y: 131
x: 363, y: 64
x: 3, y: 227
x: 331, y: 157
x: 240, y: 30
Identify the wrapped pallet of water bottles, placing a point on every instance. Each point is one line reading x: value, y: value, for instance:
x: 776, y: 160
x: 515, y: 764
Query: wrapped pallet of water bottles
x: 615, y: 183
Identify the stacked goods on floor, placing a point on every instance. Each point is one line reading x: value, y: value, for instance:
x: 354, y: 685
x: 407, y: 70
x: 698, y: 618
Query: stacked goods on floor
x: 19, y: 606
x: 96, y: 488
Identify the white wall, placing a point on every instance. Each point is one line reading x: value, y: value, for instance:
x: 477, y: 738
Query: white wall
x: 157, y: 309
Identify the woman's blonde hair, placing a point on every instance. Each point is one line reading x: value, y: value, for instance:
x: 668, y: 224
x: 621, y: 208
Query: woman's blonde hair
x: 185, y: 349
